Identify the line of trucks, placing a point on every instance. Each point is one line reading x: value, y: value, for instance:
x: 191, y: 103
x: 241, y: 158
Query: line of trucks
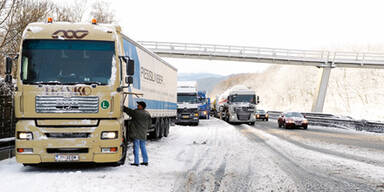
x: 72, y: 81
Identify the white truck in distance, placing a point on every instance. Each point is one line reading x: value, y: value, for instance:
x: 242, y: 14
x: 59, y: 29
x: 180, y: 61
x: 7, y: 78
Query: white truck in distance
x: 187, y: 103
x: 238, y: 105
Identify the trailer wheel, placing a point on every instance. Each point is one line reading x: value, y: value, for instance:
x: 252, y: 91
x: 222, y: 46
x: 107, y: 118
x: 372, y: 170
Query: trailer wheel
x: 157, y: 129
x: 167, y: 124
x: 162, y: 128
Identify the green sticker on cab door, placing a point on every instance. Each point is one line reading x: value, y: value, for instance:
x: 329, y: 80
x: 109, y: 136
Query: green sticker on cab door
x: 104, y: 104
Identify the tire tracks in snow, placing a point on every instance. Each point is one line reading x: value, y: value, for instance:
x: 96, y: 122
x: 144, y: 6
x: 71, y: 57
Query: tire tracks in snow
x: 323, y: 150
x: 206, y: 173
x: 306, y: 179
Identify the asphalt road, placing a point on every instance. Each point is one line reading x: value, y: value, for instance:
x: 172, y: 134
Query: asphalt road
x: 216, y: 156
x: 296, y: 151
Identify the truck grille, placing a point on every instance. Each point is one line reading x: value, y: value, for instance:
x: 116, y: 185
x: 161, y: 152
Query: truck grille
x: 60, y: 104
x: 243, y: 116
x: 186, y: 110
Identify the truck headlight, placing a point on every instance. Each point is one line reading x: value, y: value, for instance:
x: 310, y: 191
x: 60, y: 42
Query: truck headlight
x: 24, y: 135
x: 109, y: 135
x: 196, y: 114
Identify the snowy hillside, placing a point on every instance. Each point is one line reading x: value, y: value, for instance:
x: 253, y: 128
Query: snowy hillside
x: 355, y: 92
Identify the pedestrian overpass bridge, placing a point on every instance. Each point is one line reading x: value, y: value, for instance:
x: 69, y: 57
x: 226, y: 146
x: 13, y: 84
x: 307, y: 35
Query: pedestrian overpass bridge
x: 325, y: 60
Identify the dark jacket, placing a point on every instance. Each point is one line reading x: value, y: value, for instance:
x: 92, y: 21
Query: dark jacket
x: 140, y: 123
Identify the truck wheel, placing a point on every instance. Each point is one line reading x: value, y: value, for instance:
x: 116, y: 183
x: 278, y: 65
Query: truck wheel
x: 162, y: 128
x: 158, y: 129
x: 123, y: 156
x: 166, y: 131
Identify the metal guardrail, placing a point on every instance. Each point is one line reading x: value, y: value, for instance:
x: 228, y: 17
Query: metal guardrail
x: 329, y: 120
x: 7, y: 148
x: 267, y: 55
x: 7, y: 121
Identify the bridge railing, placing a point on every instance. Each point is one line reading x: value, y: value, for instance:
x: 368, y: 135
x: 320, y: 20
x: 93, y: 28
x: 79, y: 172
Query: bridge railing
x: 234, y: 51
x: 311, y: 57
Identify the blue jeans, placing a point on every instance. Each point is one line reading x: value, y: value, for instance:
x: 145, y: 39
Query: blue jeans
x: 136, y: 144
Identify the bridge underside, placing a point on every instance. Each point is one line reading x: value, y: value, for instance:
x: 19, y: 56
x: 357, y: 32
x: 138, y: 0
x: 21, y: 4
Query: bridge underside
x: 321, y: 59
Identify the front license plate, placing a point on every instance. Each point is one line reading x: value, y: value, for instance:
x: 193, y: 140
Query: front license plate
x: 66, y: 158
x: 185, y: 116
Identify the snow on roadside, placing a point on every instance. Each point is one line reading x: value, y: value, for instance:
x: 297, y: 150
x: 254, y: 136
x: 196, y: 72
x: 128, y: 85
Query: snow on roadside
x: 212, y: 156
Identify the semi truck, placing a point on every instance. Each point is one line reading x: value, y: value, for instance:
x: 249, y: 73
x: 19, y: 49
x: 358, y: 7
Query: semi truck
x: 187, y: 103
x: 72, y: 81
x: 238, y: 105
x: 204, y: 105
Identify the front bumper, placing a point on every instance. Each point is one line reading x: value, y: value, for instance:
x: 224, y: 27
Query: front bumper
x: 242, y: 117
x: 45, y: 147
x: 186, y: 118
x: 297, y: 124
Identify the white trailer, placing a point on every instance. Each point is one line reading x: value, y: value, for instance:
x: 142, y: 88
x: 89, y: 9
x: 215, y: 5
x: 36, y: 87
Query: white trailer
x: 156, y: 80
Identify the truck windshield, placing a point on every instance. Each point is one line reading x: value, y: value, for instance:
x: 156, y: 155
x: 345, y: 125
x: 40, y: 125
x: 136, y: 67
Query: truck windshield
x: 186, y: 98
x: 67, y: 62
x: 242, y: 98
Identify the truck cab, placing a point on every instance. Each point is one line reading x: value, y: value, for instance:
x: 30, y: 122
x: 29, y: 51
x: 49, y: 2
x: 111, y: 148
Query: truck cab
x: 72, y: 81
x: 187, y: 104
x: 204, y: 105
x: 240, y: 106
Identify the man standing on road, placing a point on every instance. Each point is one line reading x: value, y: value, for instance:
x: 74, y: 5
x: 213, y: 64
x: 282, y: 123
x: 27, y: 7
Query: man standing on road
x: 141, y: 122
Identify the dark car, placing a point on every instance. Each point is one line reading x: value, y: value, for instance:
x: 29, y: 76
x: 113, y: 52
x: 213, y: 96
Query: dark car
x: 292, y: 120
x: 261, y: 114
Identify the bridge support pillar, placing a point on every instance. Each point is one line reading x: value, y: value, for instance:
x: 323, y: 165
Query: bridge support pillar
x: 318, y: 103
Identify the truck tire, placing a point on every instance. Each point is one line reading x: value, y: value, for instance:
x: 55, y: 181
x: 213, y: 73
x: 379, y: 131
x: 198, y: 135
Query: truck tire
x: 162, y: 128
x: 167, y: 125
x: 123, y: 156
x: 158, y: 129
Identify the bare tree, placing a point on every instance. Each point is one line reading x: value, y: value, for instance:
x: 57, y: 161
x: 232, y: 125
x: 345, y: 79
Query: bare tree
x: 102, y: 12
x: 15, y: 15
x: 73, y: 12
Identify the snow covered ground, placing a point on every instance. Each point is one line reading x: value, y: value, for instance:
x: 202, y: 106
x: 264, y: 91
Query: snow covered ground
x: 216, y: 156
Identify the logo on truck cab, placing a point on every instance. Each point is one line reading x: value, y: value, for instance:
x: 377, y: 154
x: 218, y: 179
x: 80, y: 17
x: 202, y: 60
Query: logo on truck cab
x: 70, y: 34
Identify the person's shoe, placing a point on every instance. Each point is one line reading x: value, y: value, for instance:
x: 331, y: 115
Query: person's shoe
x: 134, y: 164
x: 146, y: 164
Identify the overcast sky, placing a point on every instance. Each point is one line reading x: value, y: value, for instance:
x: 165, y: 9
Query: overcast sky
x: 301, y: 24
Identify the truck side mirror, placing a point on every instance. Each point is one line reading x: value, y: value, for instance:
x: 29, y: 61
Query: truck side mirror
x: 8, y: 69
x: 257, y: 100
x: 130, y: 67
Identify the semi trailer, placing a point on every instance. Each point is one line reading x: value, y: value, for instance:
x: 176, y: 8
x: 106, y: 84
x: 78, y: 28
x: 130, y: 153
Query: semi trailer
x: 187, y: 103
x: 238, y: 105
x: 72, y: 80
